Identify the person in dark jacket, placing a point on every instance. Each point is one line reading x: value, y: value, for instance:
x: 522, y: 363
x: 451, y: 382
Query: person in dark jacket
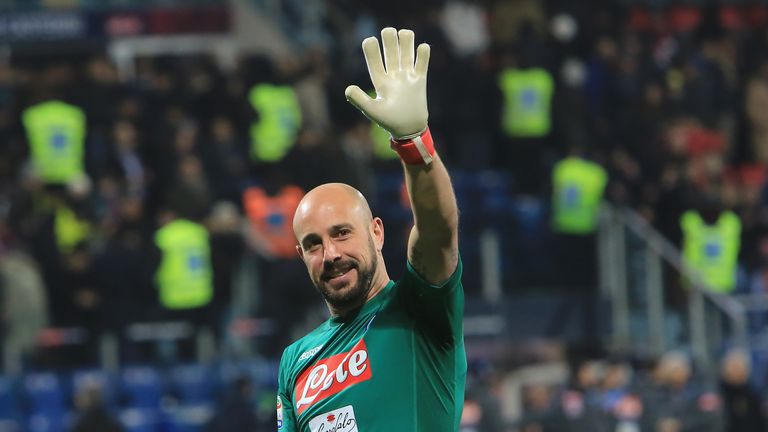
x: 236, y: 413
x: 93, y: 415
x: 741, y: 401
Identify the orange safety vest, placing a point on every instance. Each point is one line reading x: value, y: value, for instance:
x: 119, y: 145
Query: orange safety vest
x: 272, y: 217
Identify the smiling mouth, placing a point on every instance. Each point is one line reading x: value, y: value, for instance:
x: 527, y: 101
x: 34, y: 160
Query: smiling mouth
x: 336, y: 274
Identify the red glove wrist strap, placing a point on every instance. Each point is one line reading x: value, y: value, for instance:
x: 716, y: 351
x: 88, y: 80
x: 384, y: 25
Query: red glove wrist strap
x: 419, y: 150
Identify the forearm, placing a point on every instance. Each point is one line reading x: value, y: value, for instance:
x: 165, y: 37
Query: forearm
x: 433, y: 243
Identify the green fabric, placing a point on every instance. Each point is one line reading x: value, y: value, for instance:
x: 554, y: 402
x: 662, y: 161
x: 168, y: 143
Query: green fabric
x: 527, y: 100
x: 411, y: 378
x: 713, y: 250
x: 578, y: 191
x: 56, y: 134
x: 274, y: 134
x: 382, y: 148
x: 184, y: 278
x: 69, y: 229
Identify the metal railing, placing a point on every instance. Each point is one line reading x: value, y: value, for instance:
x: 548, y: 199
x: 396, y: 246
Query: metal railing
x: 632, y: 255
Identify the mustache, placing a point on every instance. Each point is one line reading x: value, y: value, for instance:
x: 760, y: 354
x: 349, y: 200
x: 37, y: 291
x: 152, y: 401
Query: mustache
x: 332, y: 267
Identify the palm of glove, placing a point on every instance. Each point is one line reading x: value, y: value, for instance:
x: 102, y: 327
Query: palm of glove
x: 400, y: 81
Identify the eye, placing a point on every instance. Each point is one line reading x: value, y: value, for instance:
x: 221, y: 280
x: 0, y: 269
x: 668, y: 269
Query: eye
x: 344, y: 232
x: 312, y: 246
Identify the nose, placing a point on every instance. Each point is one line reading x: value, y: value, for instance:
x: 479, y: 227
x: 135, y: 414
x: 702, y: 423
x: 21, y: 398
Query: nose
x: 330, y: 253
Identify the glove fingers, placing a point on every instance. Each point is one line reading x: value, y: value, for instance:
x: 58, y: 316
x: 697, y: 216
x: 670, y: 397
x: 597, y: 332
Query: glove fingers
x: 422, y: 59
x: 357, y: 97
x: 406, y: 50
x: 391, y: 49
x: 372, y: 55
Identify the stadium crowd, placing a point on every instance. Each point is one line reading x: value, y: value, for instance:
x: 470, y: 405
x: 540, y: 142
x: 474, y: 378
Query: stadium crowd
x: 671, y: 102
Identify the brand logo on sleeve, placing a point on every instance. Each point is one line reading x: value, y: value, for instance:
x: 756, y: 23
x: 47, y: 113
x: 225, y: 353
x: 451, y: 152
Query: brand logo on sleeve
x: 340, y: 420
x: 332, y: 375
x: 279, y: 412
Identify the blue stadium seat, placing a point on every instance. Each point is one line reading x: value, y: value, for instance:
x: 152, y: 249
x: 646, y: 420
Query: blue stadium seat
x: 49, y: 422
x: 193, y: 384
x: 44, y: 394
x: 139, y: 419
x: 143, y: 387
x: 10, y: 412
x: 189, y: 418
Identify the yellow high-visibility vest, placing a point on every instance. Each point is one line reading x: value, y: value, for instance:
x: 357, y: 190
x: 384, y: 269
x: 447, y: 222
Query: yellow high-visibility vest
x: 274, y: 134
x: 69, y: 229
x: 56, y: 134
x: 578, y: 191
x: 185, y: 276
x: 713, y: 250
x: 527, y: 101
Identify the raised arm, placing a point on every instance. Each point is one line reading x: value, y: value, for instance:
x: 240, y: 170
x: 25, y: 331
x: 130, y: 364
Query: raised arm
x: 400, y: 107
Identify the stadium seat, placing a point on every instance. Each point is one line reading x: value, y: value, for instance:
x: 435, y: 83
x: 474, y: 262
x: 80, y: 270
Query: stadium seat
x: 10, y: 412
x: 49, y: 422
x: 189, y: 418
x: 142, y: 386
x: 193, y: 384
x: 139, y: 419
x: 44, y: 394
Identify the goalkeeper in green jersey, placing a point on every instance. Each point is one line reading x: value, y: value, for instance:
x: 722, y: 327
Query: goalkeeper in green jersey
x: 391, y: 357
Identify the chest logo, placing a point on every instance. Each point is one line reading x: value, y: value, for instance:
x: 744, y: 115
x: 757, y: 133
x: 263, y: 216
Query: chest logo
x: 340, y: 420
x: 332, y: 375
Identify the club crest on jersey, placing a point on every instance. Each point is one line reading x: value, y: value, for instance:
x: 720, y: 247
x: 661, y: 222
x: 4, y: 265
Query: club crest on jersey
x: 340, y: 420
x: 332, y: 375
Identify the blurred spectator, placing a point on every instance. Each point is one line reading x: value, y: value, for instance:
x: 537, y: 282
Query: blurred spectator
x: 56, y: 135
x: 756, y: 106
x: 24, y: 298
x: 711, y: 244
x: 225, y: 159
x: 577, y: 406
x: 184, y: 275
x: 237, y: 411
x: 225, y: 226
x: 577, y: 193
x: 92, y: 415
x: 685, y: 404
x: 127, y: 157
x: 743, y: 408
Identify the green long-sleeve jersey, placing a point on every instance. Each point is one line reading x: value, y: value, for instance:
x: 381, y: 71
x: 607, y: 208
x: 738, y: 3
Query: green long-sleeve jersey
x: 398, y: 364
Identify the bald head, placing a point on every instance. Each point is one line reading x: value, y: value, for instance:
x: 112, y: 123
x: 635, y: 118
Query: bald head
x: 340, y: 243
x: 330, y: 199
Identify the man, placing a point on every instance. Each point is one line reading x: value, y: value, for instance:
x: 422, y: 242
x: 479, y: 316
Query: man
x: 391, y: 357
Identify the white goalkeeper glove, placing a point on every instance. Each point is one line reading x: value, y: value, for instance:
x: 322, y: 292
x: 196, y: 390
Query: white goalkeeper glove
x: 400, y: 81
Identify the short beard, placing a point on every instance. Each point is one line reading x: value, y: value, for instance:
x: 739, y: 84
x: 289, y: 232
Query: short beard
x: 356, y: 296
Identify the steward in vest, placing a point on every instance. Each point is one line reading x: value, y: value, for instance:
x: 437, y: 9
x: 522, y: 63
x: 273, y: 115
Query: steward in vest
x: 578, y: 191
x: 527, y: 101
x: 185, y: 276
x: 271, y: 219
x: 56, y: 134
x: 274, y: 133
x: 712, y: 248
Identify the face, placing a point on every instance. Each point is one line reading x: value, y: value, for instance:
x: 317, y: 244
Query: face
x: 339, y: 247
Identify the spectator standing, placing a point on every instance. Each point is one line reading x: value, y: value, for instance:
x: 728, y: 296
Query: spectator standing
x: 92, y: 415
x: 236, y: 412
x: 741, y: 402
